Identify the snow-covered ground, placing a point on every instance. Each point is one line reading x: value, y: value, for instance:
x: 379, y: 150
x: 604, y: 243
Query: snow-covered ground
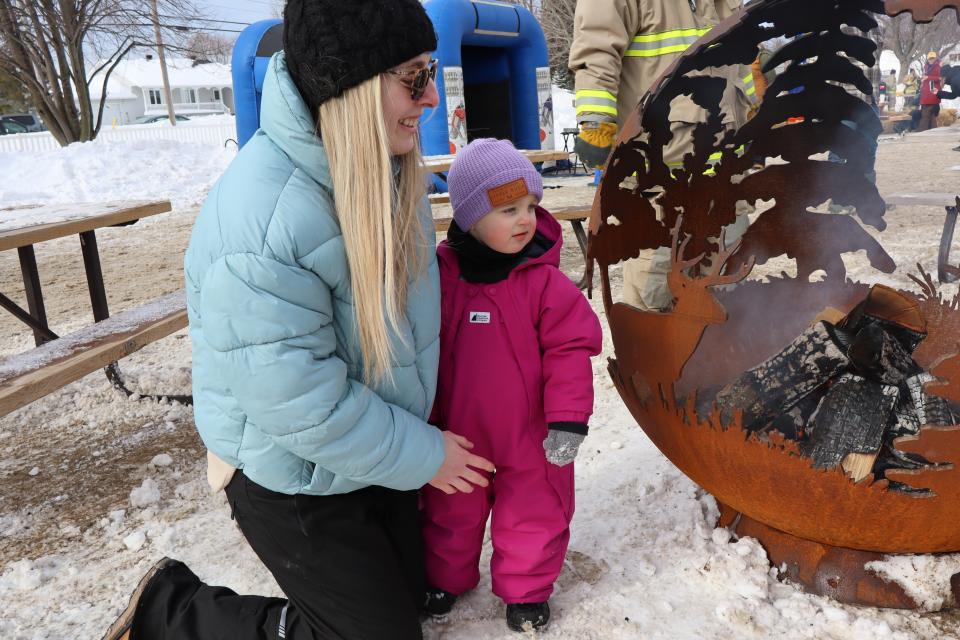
x: 100, y: 171
x: 95, y: 487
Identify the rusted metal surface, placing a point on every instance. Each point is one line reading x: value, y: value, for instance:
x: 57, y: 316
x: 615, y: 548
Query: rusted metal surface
x: 830, y: 571
x: 921, y: 10
x: 713, y: 334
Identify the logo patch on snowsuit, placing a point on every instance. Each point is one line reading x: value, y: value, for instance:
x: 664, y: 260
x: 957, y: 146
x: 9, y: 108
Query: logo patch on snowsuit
x: 479, y: 317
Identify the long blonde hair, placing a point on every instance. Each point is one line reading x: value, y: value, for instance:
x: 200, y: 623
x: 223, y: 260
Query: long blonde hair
x: 377, y: 211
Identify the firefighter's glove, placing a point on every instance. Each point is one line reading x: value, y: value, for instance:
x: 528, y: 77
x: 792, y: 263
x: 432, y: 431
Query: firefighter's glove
x: 594, y: 143
x: 563, y: 442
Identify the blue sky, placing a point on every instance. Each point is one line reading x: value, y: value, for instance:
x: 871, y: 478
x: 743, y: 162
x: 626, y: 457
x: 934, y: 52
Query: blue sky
x: 237, y: 11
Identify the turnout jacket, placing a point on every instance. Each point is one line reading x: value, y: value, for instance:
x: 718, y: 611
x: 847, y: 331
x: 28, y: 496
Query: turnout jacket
x: 620, y: 47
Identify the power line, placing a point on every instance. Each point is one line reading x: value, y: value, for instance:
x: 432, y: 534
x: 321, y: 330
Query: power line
x: 269, y: 5
x: 176, y: 27
x: 199, y: 19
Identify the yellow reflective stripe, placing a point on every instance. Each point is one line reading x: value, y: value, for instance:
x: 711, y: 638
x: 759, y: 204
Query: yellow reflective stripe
x: 748, y: 81
x: 596, y: 101
x: 595, y: 93
x: 712, y: 160
x: 595, y: 108
x: 666, y: 35
x: 652, y: 53
x: 644, y: 46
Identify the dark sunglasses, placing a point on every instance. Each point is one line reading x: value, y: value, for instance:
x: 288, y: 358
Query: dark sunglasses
x: 420, y: 78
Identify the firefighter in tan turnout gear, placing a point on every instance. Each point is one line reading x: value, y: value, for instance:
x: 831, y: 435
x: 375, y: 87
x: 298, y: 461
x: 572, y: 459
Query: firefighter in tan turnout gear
x: 620, y: 47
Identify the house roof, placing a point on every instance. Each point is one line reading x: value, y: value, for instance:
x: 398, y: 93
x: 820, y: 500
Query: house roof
x: 146, y: 74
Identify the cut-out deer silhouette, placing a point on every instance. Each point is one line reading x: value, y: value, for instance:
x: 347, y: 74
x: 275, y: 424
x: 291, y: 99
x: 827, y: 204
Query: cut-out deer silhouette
x: 652, y: 353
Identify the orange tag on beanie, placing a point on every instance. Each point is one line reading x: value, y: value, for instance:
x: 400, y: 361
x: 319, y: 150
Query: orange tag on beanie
x: 507, y: 193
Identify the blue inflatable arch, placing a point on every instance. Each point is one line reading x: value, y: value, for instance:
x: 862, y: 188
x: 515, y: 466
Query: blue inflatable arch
x: 491, y: 55
x: 494, y: 78
x: 251, y: 55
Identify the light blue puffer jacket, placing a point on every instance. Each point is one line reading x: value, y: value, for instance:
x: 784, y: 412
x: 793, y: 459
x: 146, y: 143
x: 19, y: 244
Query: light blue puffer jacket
x: 276, y: 360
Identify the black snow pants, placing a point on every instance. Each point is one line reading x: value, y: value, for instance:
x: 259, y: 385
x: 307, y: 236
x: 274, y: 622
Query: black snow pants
x: 350, y: 565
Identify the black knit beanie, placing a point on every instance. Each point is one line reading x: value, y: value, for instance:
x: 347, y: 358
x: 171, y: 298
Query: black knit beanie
x: 332, y: 45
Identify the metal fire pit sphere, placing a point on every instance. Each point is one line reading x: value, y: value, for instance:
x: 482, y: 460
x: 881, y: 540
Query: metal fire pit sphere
x: 735, y: 345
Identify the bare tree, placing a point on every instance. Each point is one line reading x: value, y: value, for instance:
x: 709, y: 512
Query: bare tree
x: 44, y: 44
x: 208, y: 46
x: 12, y: 97
x: 556, y: 18
x: 533, y: 6
x: 910, y: 41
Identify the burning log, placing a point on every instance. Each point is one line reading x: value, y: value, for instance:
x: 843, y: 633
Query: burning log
x: 772, y: 388
x: 793, y: 423
x: 932, y: 410
x: 845, y: 391
x: 878, y: 355
x: 851, y: 418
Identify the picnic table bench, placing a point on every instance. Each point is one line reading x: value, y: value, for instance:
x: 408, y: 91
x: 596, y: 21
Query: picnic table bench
x: 57, y: 361
x: 951, y: 203
x: 54, y: 364
x: 439, y: 164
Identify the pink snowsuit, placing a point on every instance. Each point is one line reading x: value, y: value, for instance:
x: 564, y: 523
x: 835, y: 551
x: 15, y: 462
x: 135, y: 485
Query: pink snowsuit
x: 514, y: 355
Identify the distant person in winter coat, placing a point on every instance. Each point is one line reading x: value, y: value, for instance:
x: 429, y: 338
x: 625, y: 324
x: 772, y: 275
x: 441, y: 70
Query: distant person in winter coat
x: 951, y: 77
x: 910, y: 89
x: 515, y: 379
x: 930, y: 87
x: 314, y: 302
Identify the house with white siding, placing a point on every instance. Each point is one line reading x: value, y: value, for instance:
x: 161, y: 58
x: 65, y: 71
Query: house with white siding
x: 136, y: 89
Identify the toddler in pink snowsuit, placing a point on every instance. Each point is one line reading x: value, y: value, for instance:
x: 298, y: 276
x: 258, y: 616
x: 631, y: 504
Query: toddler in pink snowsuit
x: 515, y: 379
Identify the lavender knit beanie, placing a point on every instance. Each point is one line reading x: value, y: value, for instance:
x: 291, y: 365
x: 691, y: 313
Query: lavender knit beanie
x: 487, y: 174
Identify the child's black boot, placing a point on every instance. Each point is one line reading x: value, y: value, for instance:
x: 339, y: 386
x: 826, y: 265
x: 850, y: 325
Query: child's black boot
x: 438, y: 602
x: 527, y: 616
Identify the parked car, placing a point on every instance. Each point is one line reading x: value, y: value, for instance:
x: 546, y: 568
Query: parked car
x: 29, y: 121
x: 11, y: 126
x: 152, y: 119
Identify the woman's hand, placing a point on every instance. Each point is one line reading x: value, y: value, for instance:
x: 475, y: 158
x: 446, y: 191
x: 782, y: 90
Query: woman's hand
x: 455, y: 474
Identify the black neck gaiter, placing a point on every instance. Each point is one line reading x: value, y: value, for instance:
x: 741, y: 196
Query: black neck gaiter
x: 481, y: 264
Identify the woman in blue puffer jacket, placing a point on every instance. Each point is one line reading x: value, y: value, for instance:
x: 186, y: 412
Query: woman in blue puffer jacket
x: 313, y: 298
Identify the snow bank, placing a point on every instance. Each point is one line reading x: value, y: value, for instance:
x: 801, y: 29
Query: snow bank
x: 102, y: 171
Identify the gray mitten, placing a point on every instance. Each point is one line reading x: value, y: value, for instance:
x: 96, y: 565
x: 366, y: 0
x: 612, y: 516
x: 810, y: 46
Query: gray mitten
x: 563, y: 441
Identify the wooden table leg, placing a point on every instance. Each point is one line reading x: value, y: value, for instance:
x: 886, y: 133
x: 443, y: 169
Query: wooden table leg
x: 582, y: 241
x: 91, y: 263
x: 946, y: 273
x: 98, y: 298
x: 31, y: 286
x: 39, y: 329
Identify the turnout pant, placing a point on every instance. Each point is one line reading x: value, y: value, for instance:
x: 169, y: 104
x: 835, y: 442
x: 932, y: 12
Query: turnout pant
x: 645, y: 277
x: 350, y: 565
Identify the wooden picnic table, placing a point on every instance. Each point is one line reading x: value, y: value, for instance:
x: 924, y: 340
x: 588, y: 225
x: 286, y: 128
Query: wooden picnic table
x: 923, y: 199
x: 22, y: 227
x: 439, y: 164
x: 65, y: 359
x: 951, y: 203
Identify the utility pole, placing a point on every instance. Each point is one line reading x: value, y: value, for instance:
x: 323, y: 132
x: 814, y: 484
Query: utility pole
x: 168, y: 96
